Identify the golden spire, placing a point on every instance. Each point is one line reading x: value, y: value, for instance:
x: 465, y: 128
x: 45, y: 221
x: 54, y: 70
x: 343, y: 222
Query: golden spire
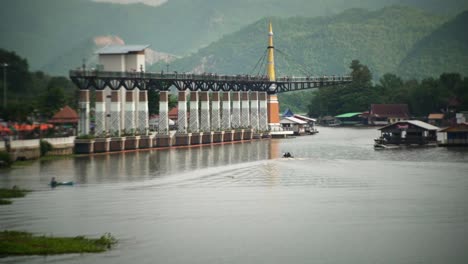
x: 271, y: 57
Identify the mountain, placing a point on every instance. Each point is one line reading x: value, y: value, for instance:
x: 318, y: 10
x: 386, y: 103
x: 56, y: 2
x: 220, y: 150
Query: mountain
x: 316, y: 46
x: 46, y: 30
x: 444, y: 50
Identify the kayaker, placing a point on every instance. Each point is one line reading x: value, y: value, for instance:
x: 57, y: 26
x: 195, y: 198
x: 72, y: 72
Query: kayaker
x: 53, y: 182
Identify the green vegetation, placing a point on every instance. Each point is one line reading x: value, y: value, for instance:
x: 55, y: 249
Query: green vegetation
x: 45, y: 147
x: 22, y: 243
x: 33, y: 93
x: 5, y: 159
x: 11, y: 193
x: 448, y: 93
x: 56, y: 35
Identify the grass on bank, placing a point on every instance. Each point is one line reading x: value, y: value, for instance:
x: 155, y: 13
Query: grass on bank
x: 15, y: 243
x: 14, y: 192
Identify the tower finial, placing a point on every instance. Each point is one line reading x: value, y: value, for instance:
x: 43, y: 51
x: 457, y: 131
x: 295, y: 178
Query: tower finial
x: 271, y: 56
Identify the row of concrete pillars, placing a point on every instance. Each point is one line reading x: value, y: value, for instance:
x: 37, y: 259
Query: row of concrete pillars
x: 125, y: 111
x: 116, y: 112
x: 216, y: 111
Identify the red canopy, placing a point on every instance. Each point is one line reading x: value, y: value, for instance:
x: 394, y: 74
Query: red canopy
x: 4, y: 129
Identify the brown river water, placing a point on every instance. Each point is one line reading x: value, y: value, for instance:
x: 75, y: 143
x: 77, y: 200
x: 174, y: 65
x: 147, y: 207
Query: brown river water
x: 337, y: 201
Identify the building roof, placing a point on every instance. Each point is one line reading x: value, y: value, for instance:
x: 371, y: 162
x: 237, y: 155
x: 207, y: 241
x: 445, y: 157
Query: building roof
x: 121, y: 49
x: 436, y: 116
x: 65, y: 115
x: 305, y: 118
x: 463, y: 127
x: 417, y: 123
x: 292, y: 120
x: 389, y: 110
x: 349, y: 115
x: 288, y: 112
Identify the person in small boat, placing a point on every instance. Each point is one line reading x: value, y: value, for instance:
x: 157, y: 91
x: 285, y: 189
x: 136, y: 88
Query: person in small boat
x: 287, y: 155
x: 53, y: 182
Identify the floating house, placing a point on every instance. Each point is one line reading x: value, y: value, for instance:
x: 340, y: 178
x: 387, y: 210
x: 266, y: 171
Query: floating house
x: 350, y: 119
x: 329, y: 121
x: 456, y: 135
x: 407, y: 133
x: 310, y: 127
x: 290, y: 123
x: 384, y: 114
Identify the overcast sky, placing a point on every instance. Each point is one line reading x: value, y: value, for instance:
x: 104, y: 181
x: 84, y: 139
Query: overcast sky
x: 148, y: 2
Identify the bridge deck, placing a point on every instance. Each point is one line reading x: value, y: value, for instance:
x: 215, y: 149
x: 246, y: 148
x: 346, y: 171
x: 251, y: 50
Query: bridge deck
x: 198, y: 82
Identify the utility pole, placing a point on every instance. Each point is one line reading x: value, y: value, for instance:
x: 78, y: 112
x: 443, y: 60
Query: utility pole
x: 4, y: 65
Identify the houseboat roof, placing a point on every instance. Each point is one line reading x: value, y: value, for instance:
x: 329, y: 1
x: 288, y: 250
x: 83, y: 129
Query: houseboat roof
x: 353, y: 114
x: 305, y: 118
x: 389, y: 110
x: 288, y: 112
x: 401, y: 124
x: 463, y: 127
x: 292, y: 120
x: 436, y: 116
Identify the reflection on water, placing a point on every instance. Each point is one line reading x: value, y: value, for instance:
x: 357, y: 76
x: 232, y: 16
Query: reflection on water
x: 337, y: 201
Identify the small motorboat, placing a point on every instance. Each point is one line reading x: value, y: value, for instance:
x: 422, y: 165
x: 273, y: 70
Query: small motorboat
x: 66, y: 183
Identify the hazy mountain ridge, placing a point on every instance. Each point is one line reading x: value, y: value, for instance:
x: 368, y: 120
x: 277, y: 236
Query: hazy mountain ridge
x: 326, y: 45
x: 43, y: 30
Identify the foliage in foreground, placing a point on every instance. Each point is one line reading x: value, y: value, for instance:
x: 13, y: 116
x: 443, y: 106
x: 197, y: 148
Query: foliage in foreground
x: 11, y: 193
x: 23, y: 243
x: 5, y: 159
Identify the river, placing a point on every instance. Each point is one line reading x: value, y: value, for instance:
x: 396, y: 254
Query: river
x: 337, y: 201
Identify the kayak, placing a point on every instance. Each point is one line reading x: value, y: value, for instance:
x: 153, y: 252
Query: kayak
x: 69, y: 183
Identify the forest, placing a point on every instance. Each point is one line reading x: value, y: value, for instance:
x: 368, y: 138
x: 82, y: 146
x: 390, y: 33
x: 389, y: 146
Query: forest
x: 446, y: 94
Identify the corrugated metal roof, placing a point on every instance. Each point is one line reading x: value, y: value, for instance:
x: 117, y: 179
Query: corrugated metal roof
x: 436, y: 116
x: 305, y: 118
x: 463, y: 127
x: 417, y: 123
x: 349, y: 114
x: 121, y: 49
x: 290, y: 119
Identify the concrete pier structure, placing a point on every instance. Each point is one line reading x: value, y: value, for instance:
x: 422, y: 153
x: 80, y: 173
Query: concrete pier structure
x: 100, y: 114
x: 129, y: 122
x: 84, y: 112
x: 182, y: 112
x: 236, y: 110
x: 226, y: 112
x: 143, y: 114
x: 262, y: 111
x: 163, y: 127
x: 245, y: 110
x: 205, y: 125
x: 215, y: 112
x: 254, y: 122
x: 194, y: 123
x: 115, y: 114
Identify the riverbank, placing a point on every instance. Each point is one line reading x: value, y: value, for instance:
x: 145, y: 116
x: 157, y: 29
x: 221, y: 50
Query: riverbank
x: 15, y: 243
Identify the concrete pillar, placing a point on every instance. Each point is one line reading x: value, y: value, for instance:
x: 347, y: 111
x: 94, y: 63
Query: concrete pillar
x: 115, y: 113
x: 84, y: 112
x: 245, y: 110
x: 194, y: 123
x: 273, y: 113
x: 182, y: 112
x: 143, y: 113
x: 215, y: 112
x: 236, y: 110
x: 226, y: 116
x: 129, y: 122
x: 262, y: 111
x: 204, y: 112
x: 163, y: 113
x: 100, y: 114
x: 254, y: 110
